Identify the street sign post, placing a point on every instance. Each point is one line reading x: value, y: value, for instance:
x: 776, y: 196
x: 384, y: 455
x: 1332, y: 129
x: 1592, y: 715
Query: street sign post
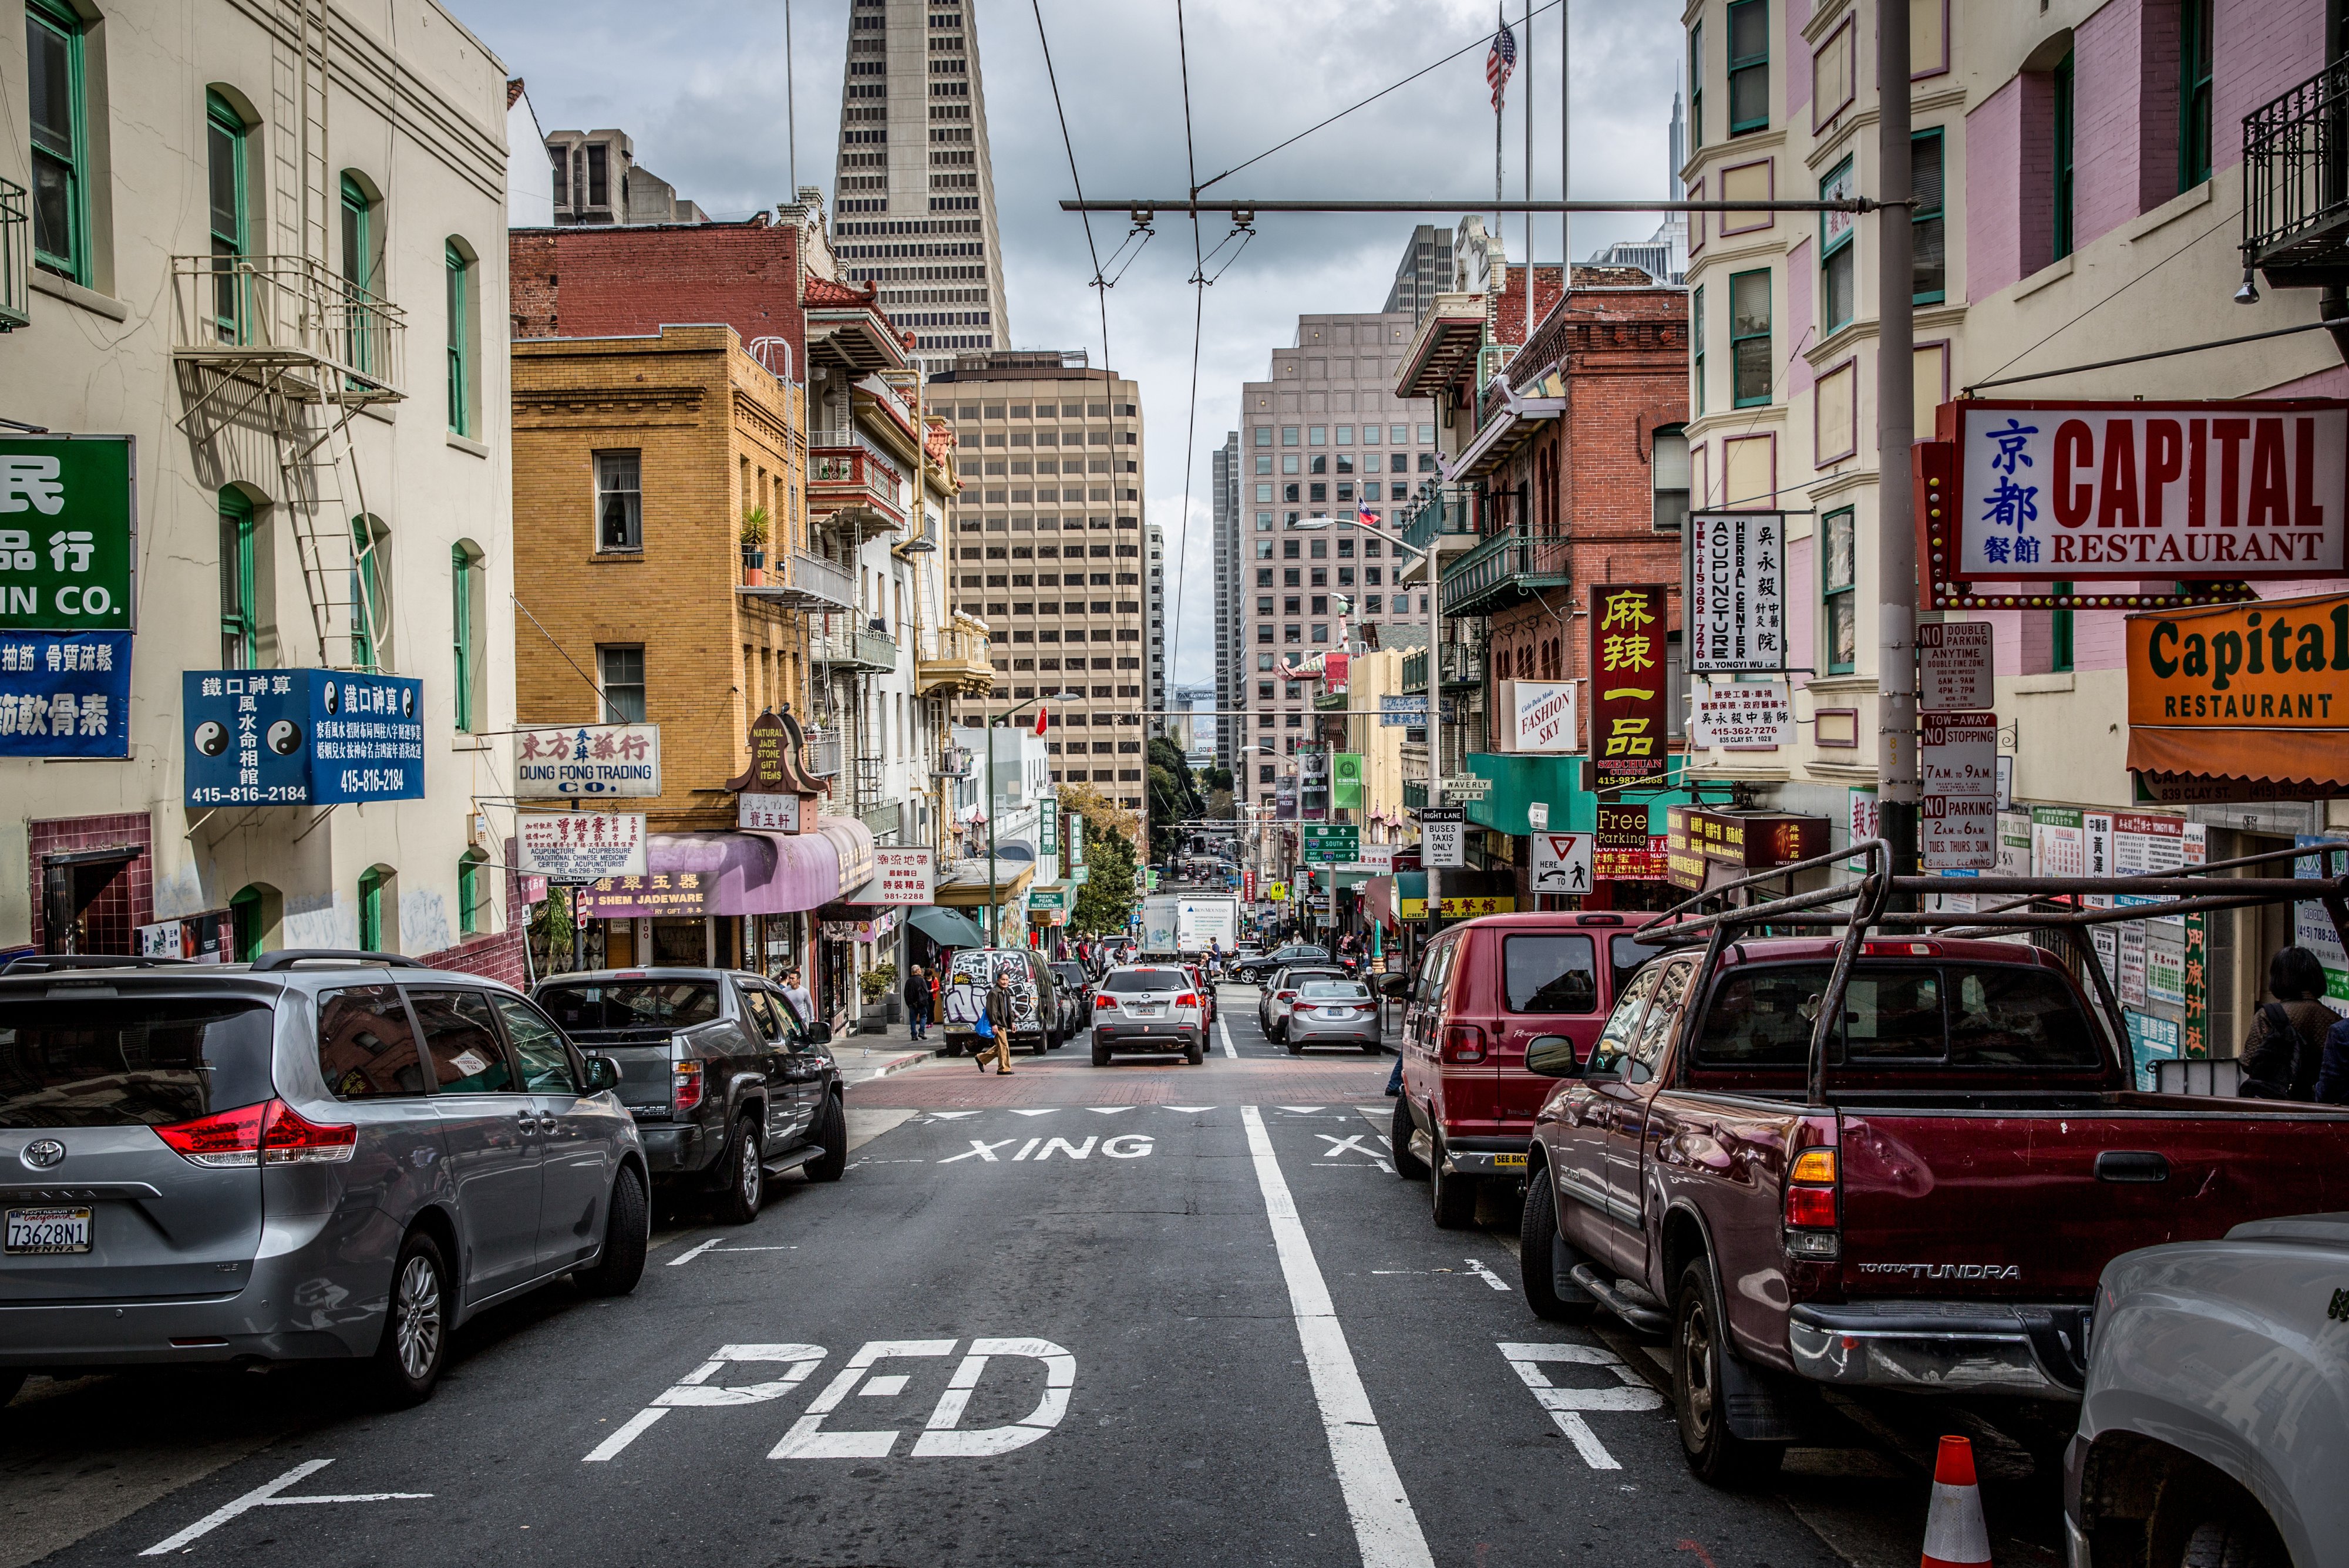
x: 1443, y: 837
x: 1332, y: 843
x: 1561, y: 863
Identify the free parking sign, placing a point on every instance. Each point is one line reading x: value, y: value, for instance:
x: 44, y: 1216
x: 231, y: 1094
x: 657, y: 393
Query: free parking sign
x: 1561, y: 863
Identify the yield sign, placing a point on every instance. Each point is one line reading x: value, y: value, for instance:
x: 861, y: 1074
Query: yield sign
x: 1561, y: 862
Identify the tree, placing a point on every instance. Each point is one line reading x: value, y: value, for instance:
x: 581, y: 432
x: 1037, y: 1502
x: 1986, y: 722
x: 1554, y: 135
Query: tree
x: 1105, y: 903
x: 1173, y: 799
x: 1217, y: 778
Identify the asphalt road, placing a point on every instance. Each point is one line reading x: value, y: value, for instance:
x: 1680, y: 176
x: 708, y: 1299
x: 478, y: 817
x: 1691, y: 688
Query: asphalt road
x: 1148, y: 1313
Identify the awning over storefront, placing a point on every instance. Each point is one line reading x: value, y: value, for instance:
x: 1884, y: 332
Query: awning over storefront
x: 2203, y: 703
x: 852, y: 842
x: 693, y: 874
x: 1520, y: 779
x: 947, y: 928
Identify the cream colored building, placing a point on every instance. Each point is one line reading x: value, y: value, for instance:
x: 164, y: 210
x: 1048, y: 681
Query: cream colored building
x: 277, y: 260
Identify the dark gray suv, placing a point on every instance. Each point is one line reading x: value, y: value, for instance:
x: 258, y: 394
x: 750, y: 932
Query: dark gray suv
x: 320, y: 1155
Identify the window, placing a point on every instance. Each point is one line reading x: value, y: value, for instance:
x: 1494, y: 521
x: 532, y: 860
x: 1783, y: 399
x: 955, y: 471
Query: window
x: 1749, y: 66
x: 1838, y: 256
x: 1696, y: 350
x: 1839, y: 568
x: 619, y: 500
x: 1264, y: 435
x: 366, y: 1047
x: 370, y: 911
x: 2059, y: 635
x: 461, y: 1039
x: 1696, y: 86
x: 466, y: 587
x: 1288, y: 435
x: 1749, y: 337
x: 2062, y: 158
x: 240, y: 623
x: 1929, y: 262
x: 53, y: 54
x: 2195, y: 52
x: 358, y: 271
x: 622, y: 673
x: 546, y: 1064
x: 1549, y: 974
x: 1670, y: 476
x: 473, y: 894
x: 461, y: 412
x: 132, y: 1062
x: 224, y: 147
x: 370, y: 594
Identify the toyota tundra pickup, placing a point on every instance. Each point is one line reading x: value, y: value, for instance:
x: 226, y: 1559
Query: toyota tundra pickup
x: 1925, y: 1207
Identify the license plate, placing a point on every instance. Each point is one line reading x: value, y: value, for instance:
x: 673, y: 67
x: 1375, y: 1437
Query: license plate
x: 1515, y: 1159
x: 1150, y: 1013
x: 48, y: 1231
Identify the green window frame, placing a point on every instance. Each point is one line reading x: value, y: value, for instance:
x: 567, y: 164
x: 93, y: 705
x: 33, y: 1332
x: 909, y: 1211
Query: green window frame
x: 1749, y: 66
x: 239, y: 589
x: 1749, y: 339
x: 460, y: 413
x: 2059, y: 636
x: 246, y: 911
x: 1696, y: 86
x: 2196, y: 50
x: 2061, y: 156
x: 1838, y: 254
x: 465, y: 643
x: 473, y: 889
x: 227, y: 209
x: 370, y: 910
x: 1839, y: 588
x: 1929, y: 263
x: 358, y: 271
x: 55, y: 57
x: 1696, y: 349
x: 369, y: 598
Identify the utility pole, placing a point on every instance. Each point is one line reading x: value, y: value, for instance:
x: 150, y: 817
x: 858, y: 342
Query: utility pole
x: 1896, y: 376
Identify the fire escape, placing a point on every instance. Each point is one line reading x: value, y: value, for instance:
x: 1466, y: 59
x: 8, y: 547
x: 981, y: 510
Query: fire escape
x: 2296, y: 195
x: 277, y: 352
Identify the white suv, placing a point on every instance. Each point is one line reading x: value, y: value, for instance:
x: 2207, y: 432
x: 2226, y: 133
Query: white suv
x: 1149, y: 1007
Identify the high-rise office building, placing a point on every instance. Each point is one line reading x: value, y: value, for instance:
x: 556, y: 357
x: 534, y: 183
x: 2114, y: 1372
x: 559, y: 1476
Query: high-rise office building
x: 1325, y: 438
x: 1424, y: 271
x: 1229, y: 590
x: 1156, y: 617
x: 1049, y: 548
x: 914, y: 197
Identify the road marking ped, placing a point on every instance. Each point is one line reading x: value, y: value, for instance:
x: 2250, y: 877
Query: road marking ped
x: 267, y: 1497
x: 1386, y: 1527
x: 1565, y: 1405
x: 694, y: 1390
x: 1225, y: 1030
x: 1477, y: 1266
x: 940, y: 1438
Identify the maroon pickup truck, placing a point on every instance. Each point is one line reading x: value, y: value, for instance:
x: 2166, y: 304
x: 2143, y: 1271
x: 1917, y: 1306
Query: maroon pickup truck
x: 1925, y: 1208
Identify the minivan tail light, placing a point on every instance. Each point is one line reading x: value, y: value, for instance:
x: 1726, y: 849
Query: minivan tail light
x: 687, y: 1093
x: 269, y: 1133
x: 289, y: 1138
x: 1464, y: 1042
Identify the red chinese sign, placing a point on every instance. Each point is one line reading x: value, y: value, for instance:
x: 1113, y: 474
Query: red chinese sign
x: 1627, y: 685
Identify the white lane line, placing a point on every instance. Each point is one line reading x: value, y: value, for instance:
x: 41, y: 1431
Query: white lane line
x: 1477, y: 1266
x: 1386, y: 1527
x: 687, y: 1256
x: 1225, y: 1030
x: 266, y: 1496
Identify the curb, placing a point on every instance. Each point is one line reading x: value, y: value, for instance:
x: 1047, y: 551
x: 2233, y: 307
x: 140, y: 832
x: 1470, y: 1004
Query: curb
x: 895, y: 1065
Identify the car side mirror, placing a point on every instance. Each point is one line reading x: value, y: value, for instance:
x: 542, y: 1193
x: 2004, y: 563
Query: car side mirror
x: 601, y: 1075
x: 1552, y: 1056
x: 815, y: 1033
x: 1397, y: 987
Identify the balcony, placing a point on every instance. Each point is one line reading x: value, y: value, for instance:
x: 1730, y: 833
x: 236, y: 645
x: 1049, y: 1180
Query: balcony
x: 1462, y: 665
x: 856, y: 648
x: 1505, y: 569
x: 2296, y: 183
x: 960, y: 663
x: 290, y: 325
x: 823, y: 753
x: 1441, y: 526
x: 16, y: 258
x: 852, y: 481
x: 801, y: 581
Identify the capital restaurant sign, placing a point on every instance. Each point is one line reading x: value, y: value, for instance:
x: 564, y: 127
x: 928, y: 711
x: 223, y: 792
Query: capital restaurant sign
x: 2258, y: 689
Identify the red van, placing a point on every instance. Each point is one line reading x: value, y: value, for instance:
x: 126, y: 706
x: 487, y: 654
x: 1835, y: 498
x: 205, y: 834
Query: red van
x: 1484, y: 989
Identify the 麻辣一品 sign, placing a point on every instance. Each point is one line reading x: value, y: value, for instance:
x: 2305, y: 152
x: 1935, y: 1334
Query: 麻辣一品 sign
x: 1628, y: 633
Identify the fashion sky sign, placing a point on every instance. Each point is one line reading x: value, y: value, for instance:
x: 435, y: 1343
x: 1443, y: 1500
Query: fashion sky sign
x: 1736, y: 592
x: 1541, y: 715
x: 2135, y: 490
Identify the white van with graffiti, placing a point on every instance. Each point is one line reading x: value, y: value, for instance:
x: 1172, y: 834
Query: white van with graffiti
x: 971, y: 974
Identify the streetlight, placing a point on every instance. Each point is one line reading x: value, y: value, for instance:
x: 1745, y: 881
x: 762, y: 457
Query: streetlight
x: 1434, y: 690
x: 994, y: 902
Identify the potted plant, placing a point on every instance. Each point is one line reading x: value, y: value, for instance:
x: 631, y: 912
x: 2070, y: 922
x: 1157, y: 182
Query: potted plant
x: 755, y: 519
x: 882, y: 1002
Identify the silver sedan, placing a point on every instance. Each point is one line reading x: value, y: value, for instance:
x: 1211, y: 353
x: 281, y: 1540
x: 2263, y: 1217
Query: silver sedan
x: 1333, y: 1012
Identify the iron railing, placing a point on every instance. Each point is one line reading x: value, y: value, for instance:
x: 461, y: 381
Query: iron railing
x: 16, y: 258
x: 865, y: 649
x: 1504, y: 568
x: 1439, y: 515
x: 2296, y: 178
x: 823, y: 753
x: 802, y: 581
x: 338, y: 343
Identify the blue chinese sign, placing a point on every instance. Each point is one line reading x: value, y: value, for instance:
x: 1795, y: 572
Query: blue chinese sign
x: 2184, y: 491
x: 64, y: 694
x: 301, y: 737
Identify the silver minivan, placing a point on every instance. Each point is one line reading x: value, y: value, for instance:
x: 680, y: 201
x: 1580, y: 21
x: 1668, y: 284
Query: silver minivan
x: 321, y: 1154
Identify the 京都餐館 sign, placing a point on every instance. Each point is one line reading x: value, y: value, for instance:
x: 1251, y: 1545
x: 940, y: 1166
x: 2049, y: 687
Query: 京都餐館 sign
x: 2186, y: 491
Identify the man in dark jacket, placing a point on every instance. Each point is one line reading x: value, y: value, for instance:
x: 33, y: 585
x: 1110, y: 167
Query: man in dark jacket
x: 2286, y: 1043
x: 1001, y: 1013
x: 917, y: 1001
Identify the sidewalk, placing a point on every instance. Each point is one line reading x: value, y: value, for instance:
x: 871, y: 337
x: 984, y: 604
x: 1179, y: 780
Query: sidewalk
x: 865, y: 1057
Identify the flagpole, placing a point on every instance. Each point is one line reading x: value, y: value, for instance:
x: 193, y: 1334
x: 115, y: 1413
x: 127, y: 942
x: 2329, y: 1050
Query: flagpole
x: 1527, y: 178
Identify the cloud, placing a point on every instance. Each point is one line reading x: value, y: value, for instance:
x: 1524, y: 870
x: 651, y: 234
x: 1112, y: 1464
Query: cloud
x: 700, y: 87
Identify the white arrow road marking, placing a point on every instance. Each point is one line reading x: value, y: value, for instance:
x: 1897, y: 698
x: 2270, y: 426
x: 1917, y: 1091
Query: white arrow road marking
x: 1107, y: 1110
x: 266, y: 1497
x: 984, y: 1151
x: 951, y: 1115
x: 1565, y: 1405
x: 1477, y: 1266
x: 1045, y: 1111
x: 1190, y: 1110
x: 1225, y: 1030
x: 1300, y: 1110
x: 694, y: 1391
x: 1386, y: 1527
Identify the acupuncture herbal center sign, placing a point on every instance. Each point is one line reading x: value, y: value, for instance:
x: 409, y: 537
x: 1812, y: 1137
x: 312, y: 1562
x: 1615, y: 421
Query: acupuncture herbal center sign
x: 67, y: 522
x: 1627, y: 685
x: 1737, y: 593
x: 2190, y: 491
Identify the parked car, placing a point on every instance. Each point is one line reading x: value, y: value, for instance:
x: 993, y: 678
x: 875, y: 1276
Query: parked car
x: 2216, y: 1391
x: 320, y: 1155
x: 1035, y: 998
x: 726, y: 1089
x: 1076, y: 993
x: 1332, y: 1013
x: 1483, y: 990
x: 1148, y: 1008
x: 1929, y: 1214
x: 1206, y: 988
x: 1255, y: 969
x: 1279, y: 993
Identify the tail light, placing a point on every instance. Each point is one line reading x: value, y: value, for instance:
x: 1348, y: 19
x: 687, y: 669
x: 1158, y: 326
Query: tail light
x: 1189, y: 999
x: 687, y: 1093
x: 271, y: 1133
x: 1284, y: 996
x: 1810, y: 1210
x: 1464, y: 1042
x: 1103, y: 999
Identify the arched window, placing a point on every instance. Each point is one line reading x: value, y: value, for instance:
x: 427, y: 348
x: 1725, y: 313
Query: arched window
x: 359, y: 240
x: 472, y: 893
x: 378, y: 908
x: 229, y: 206
x: 239, y: 585
x: 53, y: 43
x: 469, y: 674
x: 458, y: 264
x: 256, y: 911
x: 370, y: 594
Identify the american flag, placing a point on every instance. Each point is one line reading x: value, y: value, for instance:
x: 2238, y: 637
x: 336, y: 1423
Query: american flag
x: 1500, y: 61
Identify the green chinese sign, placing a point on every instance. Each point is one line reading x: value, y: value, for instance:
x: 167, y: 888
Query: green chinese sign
x: 67, y: 524
x: 1048, y: 820
x: 1332, y: 844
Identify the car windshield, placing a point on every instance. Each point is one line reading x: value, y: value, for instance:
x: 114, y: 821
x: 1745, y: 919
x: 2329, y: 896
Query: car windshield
x: 631, y: 1004
x: 1291, y: 980
x: 1955, y: 1015
x: 1132, y: 979
x: 1334, y: 991
x: 110, y: 1063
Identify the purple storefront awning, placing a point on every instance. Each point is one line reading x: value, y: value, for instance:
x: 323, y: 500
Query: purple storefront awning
x: 723, y: 873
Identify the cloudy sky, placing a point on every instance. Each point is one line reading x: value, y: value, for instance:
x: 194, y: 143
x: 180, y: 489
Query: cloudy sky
x: 699, y: 84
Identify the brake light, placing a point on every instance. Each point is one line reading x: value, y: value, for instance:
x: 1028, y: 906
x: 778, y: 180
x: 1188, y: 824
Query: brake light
x: 1284, y: 996
x: 687, y: 1093
x: 289, y: 1138
x: 1189, y: 999
x: 1103, y: 999
x: 1464, y: 1042
x: 1810, y: 1211
x: 271, y: 1133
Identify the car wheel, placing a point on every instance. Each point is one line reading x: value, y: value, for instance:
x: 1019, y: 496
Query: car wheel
x: 832, y: 1131
x: 1452, y: 1199
x: 1194, y: 1052
x: 1101, y: 1053
x: 2233, y: 1541
x: 746, y: 1178
x: 1035, y: 1045
x: 1538, y: 1235
x: 1295, y: 1048
x: 416, y: 1324
x: 628, y: 1227
x: 1370, y: 1048
x: 1717, y: 1456
x: 1408, y: 1166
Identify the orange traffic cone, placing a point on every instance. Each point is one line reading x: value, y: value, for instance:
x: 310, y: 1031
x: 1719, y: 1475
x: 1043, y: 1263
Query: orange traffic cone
x: 1955, y: 1535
